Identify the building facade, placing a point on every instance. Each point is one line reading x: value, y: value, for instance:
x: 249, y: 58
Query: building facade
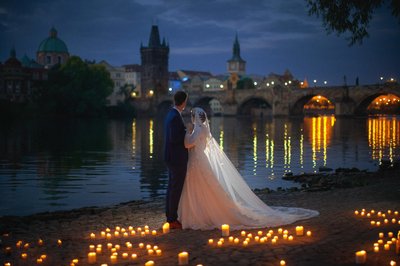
x: 52, y: 51
x: 236, y: 65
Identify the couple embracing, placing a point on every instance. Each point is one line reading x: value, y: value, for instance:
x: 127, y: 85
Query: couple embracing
x: 205, y: 190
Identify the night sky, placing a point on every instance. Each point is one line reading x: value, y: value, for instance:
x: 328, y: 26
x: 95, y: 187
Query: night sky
x: 274, y: 36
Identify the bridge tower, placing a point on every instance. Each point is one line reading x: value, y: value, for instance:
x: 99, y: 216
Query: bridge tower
x: 236, y: 65
x: 154, y: 76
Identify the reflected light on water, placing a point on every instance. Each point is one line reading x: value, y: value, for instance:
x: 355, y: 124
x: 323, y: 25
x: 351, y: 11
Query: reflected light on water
x: 151, y: 136
x: 221, y: 137
x: 383, y: 137
x: 301, y: 149
x: 320, y: 134
x: 287, y: 150
x: 134, y: 140
x: 255, y: 149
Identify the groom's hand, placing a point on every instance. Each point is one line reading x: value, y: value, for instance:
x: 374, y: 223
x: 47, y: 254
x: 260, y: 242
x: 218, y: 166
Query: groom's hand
x: 189, y: 127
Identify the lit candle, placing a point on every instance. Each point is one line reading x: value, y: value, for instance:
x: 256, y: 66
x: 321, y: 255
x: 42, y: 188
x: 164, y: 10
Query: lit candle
x: 282, y: 263
x: 381, y: 235
x: 150, y: 252
x: 154, y: 232
x: 183, y: 258
x: 117, y: 247
x: 386, y: 247
x: 243, y: 233
x: 59, y: 242
x: 43, y: 256
x: 116, y: 233
x: 149, y: 263
x: 219, y: 243
x: 142, y: 233
x: 390, y: 234
x: 308, y: 233
x: 117, y: 228
x: 361, y: 257
x: 141, y: 245
x: 236, y: 240
x: 396, y: 213
x: 91, y: 247
x: 376, y: 249
x: 372, y: 222
x: 103, y: 234
x: 133, y: 232
x: 92, y: 236
x: 165, y: 228
x: 257, y: 238
x: 75, y: 261
x: 210, y: 241
x: 125, y: 255
x: 125, y: 234
x: 139, y: 229
x: 245, y: 243
x: 134, y: 256
x: 146, y: 227
x: 98, y: 250
x: 380, y: 241
x: 393, y: 221
x: 386, y: 221
x: 378, y: 223
x: 285, y: 232
x: 123, y: 230
x: 262, y: 240
x: 147, y: 231
x: 225, y: 229
x: 280, y: 231
x: 285, y: 236
x: 155, y: 247
x: 158, y: 252
x: 39, y: 261
x: 40, y: 242
x: 356, y: 212
x: 26, y: 245
x: 392, y: 263
x: 108, y: 236
x: 109, y: 245
x: 230, y: 239
x: 92, y: 257
x: 273, y: 241
x: 299, y: 230
x: 290, y: 238
x: 260, y: 233
x: 113, y: 259
x: 148, y: 246
x: 24, y: 255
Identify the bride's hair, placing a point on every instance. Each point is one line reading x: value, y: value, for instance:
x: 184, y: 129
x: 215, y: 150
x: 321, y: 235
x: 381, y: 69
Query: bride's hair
x: 200, y: 112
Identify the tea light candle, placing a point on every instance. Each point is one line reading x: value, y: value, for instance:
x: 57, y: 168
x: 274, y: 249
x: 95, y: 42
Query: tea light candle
x: 393, y: 221
x: 380, y: 241
x: 133, y: 232
x: 117, y: 247
x: 386, y: 221
x: 134, y: 256
x: 125, y: 234
x: 118, y: 228
x: 75, y: 261
x: 390, y: 234
x: 92, y: 236
x: 91, y: 247
x: 43, y: 256
x: 356, y: 212
x: 290, y: 238
x: 245, y: 243
x: 165, y: 228
x: 219, y: 243
x: 147, y: 231
x: 148, y: 246
x: 154, y: 232
x: 392, y: 263
x: 282, y: 263
x: 230, y: 239
x: 158, y: 252
x: 308, y: 233
x: 108, y: 236
x: 257, y: 238
x: 260, y: 233
x: 285, y: 232
x: 150, y: 252
x: 40, y: 242
x: 59, y: 242
x: 299, y: 230
x: 26, y: 245
x: 262, y: 240
x: 149, y: 263
x: 271, y: 231
x: 280, y: 231
x: 243, y: 233
x: 141, y: 245
x: 273, y: 241
x: 183, y: 258
x: 210, y: 241
x: 396, y: 213
x: 109, y: 245
x: 108, y: 230
x: 361, y: 257
x: 39, y: 261
x: 236, y: 241
x: 378, y: 223
x: 24, y: 256
x: 116, y: 233
x: 381, y: 235
x: 103, y: 234
x: 92, y: 257
x: 113, y: 259
x: 372, y: 222
x: 285, y: 236
x: 376, y: 249
x: 139, y: 229
x: 386, y: 247
x: 125, y: 255
x: 98, y: 250
x: 225, y: 229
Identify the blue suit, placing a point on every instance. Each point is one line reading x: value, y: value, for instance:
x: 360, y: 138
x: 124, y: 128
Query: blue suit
x: 176, y: 158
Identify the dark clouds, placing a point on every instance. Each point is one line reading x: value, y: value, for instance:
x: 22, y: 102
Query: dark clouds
x: 274, y: 35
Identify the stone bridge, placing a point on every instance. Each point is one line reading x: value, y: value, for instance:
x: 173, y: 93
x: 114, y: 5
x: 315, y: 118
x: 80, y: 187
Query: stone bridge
x: 279, y: 100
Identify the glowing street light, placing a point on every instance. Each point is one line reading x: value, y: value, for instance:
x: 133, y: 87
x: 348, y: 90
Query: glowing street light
x: 221, y: 86
x: 151, y: 93
x: 325, y: 82
x: 255, y: 83
x: 170, y: 89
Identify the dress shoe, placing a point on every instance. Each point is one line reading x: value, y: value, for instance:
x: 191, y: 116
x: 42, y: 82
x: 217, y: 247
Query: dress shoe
x: 175, y: 225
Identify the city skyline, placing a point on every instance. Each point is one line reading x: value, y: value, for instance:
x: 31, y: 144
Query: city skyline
x: 274, y: 36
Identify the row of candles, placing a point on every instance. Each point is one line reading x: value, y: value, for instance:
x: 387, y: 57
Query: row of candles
x: 183, y: 257
x: 361, y: 256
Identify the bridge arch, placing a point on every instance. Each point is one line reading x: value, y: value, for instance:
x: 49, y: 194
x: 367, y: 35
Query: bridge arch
x: 256, y: 106
x: 298, y: 106
x: 212, y: 105
x: 362, y: 106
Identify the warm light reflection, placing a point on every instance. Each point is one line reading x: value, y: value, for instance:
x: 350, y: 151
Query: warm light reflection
x: 134, y: 138
x: 151, y: 136
x: 320, y: 131
x: 255, y: 149
x: 302, y: 149
x: 383, y: 137
x: 287, y: 150
x: 221, y: 136
x: 269, y: 154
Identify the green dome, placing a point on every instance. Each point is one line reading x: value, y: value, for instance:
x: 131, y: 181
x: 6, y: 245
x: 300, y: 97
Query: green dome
x: 53, y: 44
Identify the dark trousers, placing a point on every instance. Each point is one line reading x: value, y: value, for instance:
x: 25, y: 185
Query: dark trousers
x: 177, y: 174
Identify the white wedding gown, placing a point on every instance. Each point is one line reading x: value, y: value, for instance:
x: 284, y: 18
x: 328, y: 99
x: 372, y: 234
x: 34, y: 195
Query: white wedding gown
x: 215, y: 193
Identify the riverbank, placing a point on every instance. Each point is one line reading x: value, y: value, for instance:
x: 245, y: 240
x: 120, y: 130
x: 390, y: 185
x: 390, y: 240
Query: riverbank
x: 336, y: 233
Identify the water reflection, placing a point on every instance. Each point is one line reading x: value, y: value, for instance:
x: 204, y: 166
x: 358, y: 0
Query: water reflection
x: 68, y: 164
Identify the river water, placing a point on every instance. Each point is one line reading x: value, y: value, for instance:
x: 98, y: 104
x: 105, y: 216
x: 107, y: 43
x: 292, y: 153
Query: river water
x: 48, y: 165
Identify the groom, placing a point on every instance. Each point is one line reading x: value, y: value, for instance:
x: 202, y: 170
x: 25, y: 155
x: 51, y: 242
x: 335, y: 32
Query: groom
x: 176, y: 157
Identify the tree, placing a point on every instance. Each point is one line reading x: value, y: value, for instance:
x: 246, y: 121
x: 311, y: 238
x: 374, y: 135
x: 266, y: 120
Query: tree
x: 76, y: 89
x: 349, y: 16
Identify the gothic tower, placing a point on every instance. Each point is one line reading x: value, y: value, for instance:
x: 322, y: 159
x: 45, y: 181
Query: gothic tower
x: 236, y: 65
x: 154, y: 76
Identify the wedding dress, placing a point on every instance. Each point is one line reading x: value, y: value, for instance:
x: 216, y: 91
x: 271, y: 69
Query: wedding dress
x: 215, y: 193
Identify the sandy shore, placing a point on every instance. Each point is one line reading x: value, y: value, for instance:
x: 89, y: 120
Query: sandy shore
x: 336, y: 234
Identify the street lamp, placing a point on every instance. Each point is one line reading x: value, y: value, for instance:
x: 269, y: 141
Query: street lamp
x: 151, y: 93
x: 325, y: 82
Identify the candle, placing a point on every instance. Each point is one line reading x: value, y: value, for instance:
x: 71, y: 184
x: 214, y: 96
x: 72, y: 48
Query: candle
x: 219, y: 243
x: 285, y: 236
x: 113, y: 259
x: 262, y: 240
x: 392, y: 263
x: 230, y: 239
x: 396, y: 213
x: 308, y: 233
x: 280, y: 231
x: 269, y: 235
x: 139, y: 229
x: 109, y: 245
x: 148, y: 246
x: 225, y: 229
x: 158, y: 252
x: 282, y: 263
x: 146, y: 227
x: 245, y: 243
x: 26, y: 245
x: 75, y: 261
x: 356, y: 212
x: 133, y: 232
x: 125, y: 234
x: 147, y: 231
x: 378, y: 223
x: 250, y: 235
x: 141, y: 245
x: 59, y: 242
x: 257, y: 238
x: 108, y: 230
x: 154, y: 232
x: 142, y: 233
x: 92, y: 236
x: 123, y: 230
x: 210, y: 241
x: 134, y: 256
x: 92, y: 257
x: 381, y: 235
x: 155, y: 247
x: 386, y: 247
x: 380, y: 241
x: 271, y: 231
x: 273, y: 241
x: 98, y: 250
x: 390, y: 234
x: 165, y: 228
x: 24, y: 255
x: 103, y: 234
x: 290, y: 238
x: 40, y: 242
x: 376, y: 249
x: 43, y: 256
x: 91, y: 247
x: 260, y: 233
x: 361, y: 257
x: 386, y: 221
x: 299, y: 230
x: 393, y: 221
x: 150, y: 252
x: 128, y: 245
x: 117, y: 228
x: 149, y: 263
x: 372, y: 222
x: 116, y: 233
x: 285, y: 232
x: 125, y: 255
x: 108, y: 236
x: 117, y: 247
x: 243, y: 233
x: 183, y: 258
x: 39, y: 261
x: 236, y: 240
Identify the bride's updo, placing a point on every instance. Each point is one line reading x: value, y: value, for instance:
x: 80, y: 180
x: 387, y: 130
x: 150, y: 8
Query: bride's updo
x: 198, y: 115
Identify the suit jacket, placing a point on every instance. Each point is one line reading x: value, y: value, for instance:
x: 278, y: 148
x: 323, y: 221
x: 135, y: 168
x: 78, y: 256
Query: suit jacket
x: 175, y: 152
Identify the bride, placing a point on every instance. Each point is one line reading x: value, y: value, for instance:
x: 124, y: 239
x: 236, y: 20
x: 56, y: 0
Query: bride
x: 215, y: 193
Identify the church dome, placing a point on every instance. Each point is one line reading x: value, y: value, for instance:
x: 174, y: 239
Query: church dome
x: 53, y: 44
